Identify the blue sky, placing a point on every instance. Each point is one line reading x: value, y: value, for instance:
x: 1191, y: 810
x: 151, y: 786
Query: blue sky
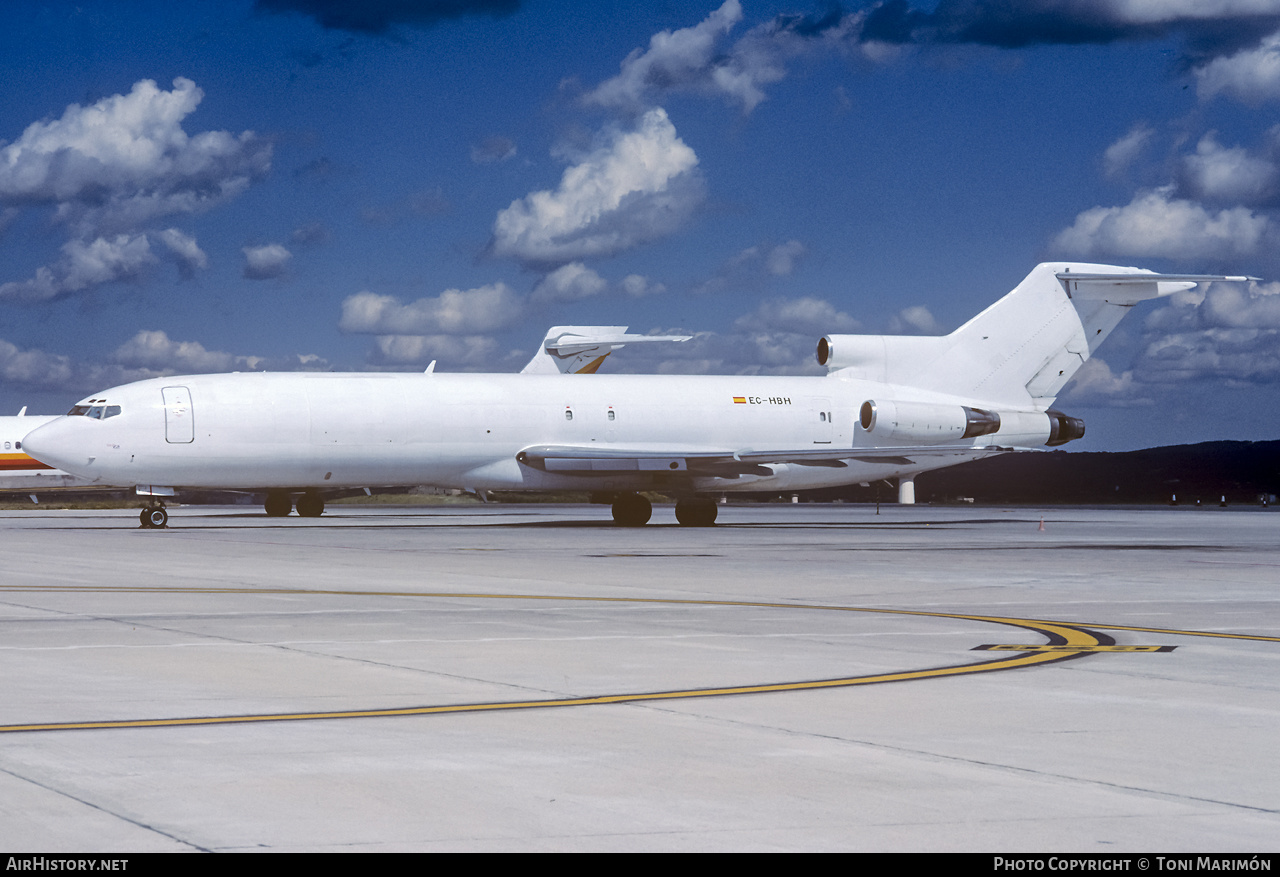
x: 287, y: 184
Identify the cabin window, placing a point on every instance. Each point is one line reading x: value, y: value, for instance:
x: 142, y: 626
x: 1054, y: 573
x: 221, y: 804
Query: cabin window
x: 568, y: 414
x: 6, y: 446
x: 611, y: 414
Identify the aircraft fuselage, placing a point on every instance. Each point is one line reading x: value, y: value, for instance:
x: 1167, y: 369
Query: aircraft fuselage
x: 322, y: 430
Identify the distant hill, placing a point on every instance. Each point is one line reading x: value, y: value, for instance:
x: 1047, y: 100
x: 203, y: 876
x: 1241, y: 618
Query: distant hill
x: 1243, y: 472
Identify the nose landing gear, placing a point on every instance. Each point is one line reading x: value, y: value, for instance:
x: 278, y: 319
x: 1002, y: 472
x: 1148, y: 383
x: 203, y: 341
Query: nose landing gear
x: 154, y: 516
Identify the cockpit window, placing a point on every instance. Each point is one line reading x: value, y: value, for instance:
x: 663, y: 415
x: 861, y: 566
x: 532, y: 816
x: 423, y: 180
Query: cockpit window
x: 97, y: 412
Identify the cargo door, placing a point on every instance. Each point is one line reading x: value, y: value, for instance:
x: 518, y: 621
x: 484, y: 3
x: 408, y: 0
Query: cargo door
x: 820, y: 416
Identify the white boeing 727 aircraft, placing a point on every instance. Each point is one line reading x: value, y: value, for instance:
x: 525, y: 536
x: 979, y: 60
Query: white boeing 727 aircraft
x: 890, y: 407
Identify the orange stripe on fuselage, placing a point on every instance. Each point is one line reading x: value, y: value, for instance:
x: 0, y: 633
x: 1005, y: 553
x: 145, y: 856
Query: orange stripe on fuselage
x: 18, y: 462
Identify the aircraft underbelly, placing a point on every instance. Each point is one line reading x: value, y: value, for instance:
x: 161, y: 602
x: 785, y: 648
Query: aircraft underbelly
x: 312, y: 465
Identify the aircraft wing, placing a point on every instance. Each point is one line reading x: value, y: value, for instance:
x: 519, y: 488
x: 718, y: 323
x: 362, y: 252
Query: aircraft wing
x: 590, y: 460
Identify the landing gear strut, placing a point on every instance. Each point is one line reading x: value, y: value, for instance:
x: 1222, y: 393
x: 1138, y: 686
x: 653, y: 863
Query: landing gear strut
x: 631, y: 510
x: 696, y: 512
x: 154, y: 516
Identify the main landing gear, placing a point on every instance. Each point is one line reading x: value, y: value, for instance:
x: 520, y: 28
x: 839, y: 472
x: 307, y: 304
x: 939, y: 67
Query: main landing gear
x: 696, y: 512
x: 279, y: 504
x: 633, y: 510
x: 310, y: 505
x: 154, y: 516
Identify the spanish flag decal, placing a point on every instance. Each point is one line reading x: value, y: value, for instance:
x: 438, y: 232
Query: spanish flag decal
x: 739, y: 400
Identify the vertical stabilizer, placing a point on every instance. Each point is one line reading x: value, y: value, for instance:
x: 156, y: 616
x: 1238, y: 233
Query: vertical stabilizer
x: 1023, y: 349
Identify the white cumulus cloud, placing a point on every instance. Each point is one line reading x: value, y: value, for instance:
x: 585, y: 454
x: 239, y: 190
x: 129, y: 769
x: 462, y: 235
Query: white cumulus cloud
x: 1236, y: 306
x: 1250, y: 75
x: 265, y: 262
x: 1155, y: 224
x: 571, y: 282
x: 1228, y: 332
x: 33, y: 368
x: 804, y: 316
x: 154, y: 350
x: 915, y: 320
x: 108, y: 169
x: 87, y: 264
x: 126, y: 159
x: 783, y: 258
x: 83, y: 265
x: 473, y: 350
x: 638, y: 286
x: 454, y: 312
x: 1096, y: 384
x: 682, y: 57
x: 1228, y: 174
x: 185, y: 251
x: 1125, y: 151
x: 638, y: 186
x: 700, y: 58
x: 1236, y: 356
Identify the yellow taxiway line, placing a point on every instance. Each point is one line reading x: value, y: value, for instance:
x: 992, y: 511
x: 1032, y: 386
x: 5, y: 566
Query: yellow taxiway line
x: 1066, y: 641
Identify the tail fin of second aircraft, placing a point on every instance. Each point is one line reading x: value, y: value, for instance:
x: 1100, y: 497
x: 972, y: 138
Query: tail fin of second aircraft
x: 1021, y: 350
x: 579, y: 350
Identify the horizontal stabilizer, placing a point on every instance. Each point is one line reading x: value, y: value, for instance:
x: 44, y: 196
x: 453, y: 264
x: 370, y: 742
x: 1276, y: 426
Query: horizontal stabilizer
x: 1129, y: 289
x: 1153, y: 278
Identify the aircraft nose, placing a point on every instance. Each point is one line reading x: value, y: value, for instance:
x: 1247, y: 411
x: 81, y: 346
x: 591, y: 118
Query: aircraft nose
x: 51, y: 445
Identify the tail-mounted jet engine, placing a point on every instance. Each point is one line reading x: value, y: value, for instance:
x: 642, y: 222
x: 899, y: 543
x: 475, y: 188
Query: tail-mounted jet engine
x: 931, y: 423
x: 925, y: 422
x: 1063, y: 429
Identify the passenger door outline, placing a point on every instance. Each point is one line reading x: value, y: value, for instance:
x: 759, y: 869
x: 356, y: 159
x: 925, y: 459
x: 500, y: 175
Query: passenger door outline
x: 179, y: 420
